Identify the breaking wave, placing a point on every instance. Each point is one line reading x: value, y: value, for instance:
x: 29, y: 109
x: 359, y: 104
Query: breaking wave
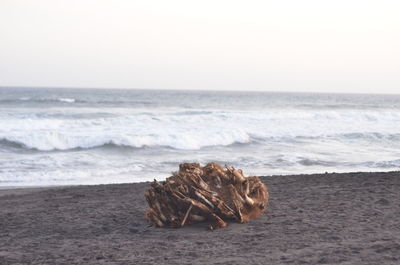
x: 193, y: 130
x: 52, y: 142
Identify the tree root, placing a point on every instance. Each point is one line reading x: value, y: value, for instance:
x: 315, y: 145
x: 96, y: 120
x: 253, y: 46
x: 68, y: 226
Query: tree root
x: 210, y: 193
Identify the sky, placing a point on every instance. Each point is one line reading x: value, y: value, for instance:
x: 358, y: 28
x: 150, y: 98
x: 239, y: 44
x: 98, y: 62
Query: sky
x: 285, y: 45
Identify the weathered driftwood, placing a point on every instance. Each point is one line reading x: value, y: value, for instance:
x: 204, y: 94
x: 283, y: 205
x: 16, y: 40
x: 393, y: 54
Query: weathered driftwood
x: 212, y: 193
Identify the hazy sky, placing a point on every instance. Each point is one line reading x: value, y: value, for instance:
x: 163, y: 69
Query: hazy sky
x: 285, y: 45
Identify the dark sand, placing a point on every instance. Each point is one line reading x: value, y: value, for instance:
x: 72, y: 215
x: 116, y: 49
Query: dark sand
x: 312, y: 219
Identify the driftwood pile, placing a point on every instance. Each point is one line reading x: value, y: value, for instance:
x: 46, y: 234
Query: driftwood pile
x: 212, y: 193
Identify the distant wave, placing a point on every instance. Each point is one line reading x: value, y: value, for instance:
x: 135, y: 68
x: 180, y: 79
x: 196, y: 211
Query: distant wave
x: 343, y: 106
x: 64, y: 100
x: 68, y: 100
x: 41, y: 100
x: 73, y: 100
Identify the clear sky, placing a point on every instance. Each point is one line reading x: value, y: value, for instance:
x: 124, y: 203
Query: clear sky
x: 285, y: 45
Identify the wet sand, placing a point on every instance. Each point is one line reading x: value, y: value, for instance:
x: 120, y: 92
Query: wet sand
x: 348, y: 218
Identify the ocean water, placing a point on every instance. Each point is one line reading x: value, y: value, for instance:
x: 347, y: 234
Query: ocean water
x: 92, y: 136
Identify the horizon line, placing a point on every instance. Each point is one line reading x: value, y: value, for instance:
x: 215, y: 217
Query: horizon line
x: 204, y: 90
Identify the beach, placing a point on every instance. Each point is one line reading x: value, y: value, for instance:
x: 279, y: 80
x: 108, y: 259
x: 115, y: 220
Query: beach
x: 120, y: 116
x: 332, y: 218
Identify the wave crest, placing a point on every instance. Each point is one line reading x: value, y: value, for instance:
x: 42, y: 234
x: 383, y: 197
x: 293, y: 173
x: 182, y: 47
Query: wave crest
x: 41, y: 100
x: 193, y: 130
x: 56, y: 141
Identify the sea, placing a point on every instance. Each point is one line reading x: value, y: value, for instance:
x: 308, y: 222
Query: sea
x: 59, y: 136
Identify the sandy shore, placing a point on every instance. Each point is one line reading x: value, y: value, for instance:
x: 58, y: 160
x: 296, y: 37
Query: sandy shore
x: 312, y: 219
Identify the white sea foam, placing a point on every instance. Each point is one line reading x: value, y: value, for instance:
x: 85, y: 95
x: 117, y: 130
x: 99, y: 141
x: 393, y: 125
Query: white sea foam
x: 195, y: 131
x: 47, y: 99
x: 68, y: 100
x: 91, y: 137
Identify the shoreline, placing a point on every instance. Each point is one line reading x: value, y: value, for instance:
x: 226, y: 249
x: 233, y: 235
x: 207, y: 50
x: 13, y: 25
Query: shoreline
x: 43, y: 187
x: 333, y: 218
